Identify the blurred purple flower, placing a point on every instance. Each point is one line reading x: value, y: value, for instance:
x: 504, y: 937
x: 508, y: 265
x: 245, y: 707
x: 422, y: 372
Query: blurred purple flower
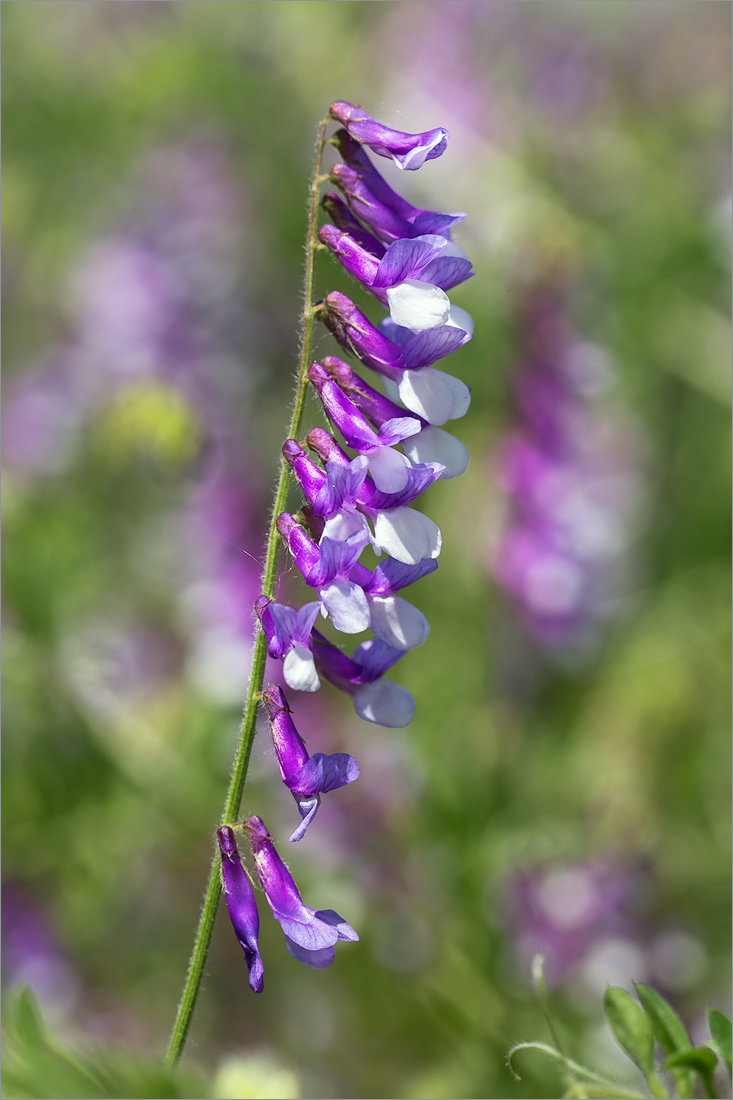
x: 568, y: 482
x: 31, y: 953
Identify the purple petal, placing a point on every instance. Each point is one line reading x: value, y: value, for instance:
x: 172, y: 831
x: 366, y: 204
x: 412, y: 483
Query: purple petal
x: 430, y: 345
x: 345, y: 931
x: 429, y: 222
x: 374, y: 657
x: 342, y: 486
x: 338, y: 557
x: 401, y: 427
x: 447, y: 271
x: 405, y: 259
x: 391, y: 576
x: 418, y: 479
x: 323, y: 773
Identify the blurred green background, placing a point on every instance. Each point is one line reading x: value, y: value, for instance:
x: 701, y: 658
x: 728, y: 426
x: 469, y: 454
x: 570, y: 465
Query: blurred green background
x: 155, y: 176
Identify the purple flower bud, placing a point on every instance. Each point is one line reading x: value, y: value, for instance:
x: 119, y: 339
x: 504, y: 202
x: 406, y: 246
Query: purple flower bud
x: 306, y: 777
x: 375, y: 699
x: 310, y: 934
x: 241, y: 905
x: 374, y: 202
x: 408, y: 151
x: 288, y: 636
x: 358, y: 335
x: 343, y: 219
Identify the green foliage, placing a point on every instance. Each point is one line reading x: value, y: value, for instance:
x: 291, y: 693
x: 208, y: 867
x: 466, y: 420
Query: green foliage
x: 670, y: 1033
x: 636, y: 1026
x: 37, y: 1066
x: 720, y: 1037
x: 632, y: 1028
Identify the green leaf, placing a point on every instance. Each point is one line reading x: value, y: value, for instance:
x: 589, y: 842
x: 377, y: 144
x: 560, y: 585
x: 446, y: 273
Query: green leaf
x: 632, y: 1028
x: 700, y: 1059
x: 670, y: 1033
x: 26, y: 1019
x: 720, y: 1035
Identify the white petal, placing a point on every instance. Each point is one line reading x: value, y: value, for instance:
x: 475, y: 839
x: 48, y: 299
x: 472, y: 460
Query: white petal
x: 417, y: 305
x: 391, y: 388
x: 384, y: 703
x: 389, y: 468
x: 460, y: 318
x: 347, y: 606
x: 299, y: 670
x: 453, y: 249
x: 434, y: 395
x: 343, y: 524
x: 435, y: 445
x: 407, y: 535
x: 397, y: 622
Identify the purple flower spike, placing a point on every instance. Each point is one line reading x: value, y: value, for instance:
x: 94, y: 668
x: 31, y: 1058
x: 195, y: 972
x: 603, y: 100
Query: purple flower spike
x: 375, y: 699
x: 408, y: 151
x: 306, y: 777
x: 310, y: 934
x: 241, y: 905
x: 288, y: 636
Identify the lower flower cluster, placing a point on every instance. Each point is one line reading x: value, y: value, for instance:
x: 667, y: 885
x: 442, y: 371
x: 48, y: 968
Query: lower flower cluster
x: 406, y: 258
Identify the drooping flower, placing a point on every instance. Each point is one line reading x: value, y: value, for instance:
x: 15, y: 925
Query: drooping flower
x: 288, y: 637
x: 408, y: 151
x: 306, y: 777
x: 310, y: 934
x: 241, y: 905
x: 361, y: 676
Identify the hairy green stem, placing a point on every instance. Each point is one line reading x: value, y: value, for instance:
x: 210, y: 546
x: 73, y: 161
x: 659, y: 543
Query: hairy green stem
x: 233, y: 799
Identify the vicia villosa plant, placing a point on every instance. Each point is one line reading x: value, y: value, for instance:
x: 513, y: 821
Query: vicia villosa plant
x: 354, y: 498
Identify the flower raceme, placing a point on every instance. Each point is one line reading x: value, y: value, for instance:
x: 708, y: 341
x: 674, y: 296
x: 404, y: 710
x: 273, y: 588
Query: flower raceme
x: 359, y: 491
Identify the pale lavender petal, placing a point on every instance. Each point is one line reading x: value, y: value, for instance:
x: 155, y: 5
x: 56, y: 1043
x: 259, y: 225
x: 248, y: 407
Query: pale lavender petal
x: 307, y: 808
x: 384, y: 704
x: 319, y: 960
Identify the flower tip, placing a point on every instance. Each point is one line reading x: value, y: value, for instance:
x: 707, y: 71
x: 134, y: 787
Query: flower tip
x: 227, y: 843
